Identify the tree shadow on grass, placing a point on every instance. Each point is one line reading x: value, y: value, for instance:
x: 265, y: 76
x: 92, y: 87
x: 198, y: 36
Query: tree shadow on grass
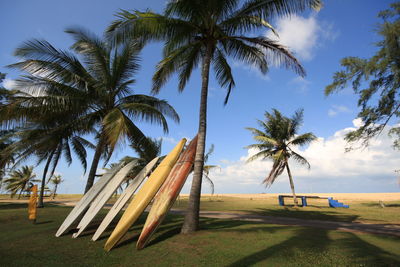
x: 301, y: 213
x: 378, y: 205
x: 166, y: 231
x: 44, y: 222
x: 310, y: 247
x: 10, y: 206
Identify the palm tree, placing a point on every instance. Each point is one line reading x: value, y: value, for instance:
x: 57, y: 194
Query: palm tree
x: 56, y: 181
x: 145, y: 155
x: 19, y: 180
x: 6, y: 159
x: 208, y: 31
x: 49, y: 145
x: 88, y: 91
x: 275, y: 140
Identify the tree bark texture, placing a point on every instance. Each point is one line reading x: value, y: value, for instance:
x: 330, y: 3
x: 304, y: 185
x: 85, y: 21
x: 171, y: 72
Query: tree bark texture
x: 191, y: 222
x: 95, y: 163
x: 46, y: 168
x: 296, y: 203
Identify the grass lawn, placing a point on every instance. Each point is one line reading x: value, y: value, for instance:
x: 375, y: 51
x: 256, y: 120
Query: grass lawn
x: 219, y: 243
x: 359, y: 211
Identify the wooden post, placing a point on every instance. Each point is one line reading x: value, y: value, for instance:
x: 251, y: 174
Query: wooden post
x: 32, y: 210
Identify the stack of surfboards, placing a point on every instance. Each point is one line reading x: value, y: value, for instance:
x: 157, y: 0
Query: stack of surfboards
x: 167, y: 179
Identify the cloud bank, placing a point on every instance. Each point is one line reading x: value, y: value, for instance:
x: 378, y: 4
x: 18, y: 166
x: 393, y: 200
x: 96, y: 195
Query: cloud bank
x: 332, y: 169
x: 302, y: 35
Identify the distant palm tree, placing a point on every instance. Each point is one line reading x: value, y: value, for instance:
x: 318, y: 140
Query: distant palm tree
x: 207, y: 32
x: 6, y: 159
x: 87, y: 93
x: 145, y: 155
x: 19, y: 180
x: 49, y: 145
x: 208, y: 168
x: 276, y: 139
x: 56, y: 181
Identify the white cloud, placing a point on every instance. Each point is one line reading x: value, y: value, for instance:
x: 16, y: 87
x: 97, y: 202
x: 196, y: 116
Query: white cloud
x: 336, y: 109
x: 170, y: 140
x: 302, y: 84
x: 302, y: 35
x: 9, y: 84
x: 332, y: 169
x: 251, y: 69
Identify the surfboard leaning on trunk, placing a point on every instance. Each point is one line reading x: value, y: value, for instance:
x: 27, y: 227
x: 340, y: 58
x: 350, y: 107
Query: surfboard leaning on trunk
x: 168, y: 193
x: 144, y: 196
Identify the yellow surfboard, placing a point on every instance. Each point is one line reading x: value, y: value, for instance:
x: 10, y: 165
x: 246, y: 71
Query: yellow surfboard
x: 144, y: 196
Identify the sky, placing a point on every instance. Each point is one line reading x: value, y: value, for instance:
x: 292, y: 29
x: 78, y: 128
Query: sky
x: 318, y: 39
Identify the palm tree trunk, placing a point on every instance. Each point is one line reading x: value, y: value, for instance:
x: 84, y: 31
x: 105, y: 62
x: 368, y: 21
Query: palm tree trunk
x: 40, y: 203
x: 296, y: 203
x: 95, y: 163
x: 55, y: 191
x: 20, y: 192
x: 191, y: 222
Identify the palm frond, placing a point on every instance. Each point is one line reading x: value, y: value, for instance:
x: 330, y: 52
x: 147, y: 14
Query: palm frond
x: 145, y: 112
x: 210, y: 182
x: 170, y: 64
x: 300, y: 159
x: 276, y: 53
x: 223, y: 73
x: 303, y: 139
x: 268, y: 9
x: 277, y: 169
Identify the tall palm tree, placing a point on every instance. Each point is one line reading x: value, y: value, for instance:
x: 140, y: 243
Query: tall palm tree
x: 88, y: 90
x: 19, y: 180
x: 56, y: 180
x: 276, y: 139
x: 209, y: 31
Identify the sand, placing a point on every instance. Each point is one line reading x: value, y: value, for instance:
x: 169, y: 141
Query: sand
x: 341, y: 196
x: 71, y: 199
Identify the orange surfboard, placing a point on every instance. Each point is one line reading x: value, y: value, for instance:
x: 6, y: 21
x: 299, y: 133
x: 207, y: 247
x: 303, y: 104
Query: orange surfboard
x: 168, y: 193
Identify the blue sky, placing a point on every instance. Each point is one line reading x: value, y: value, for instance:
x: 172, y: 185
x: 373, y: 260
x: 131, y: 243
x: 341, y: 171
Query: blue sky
x: 342, y: 28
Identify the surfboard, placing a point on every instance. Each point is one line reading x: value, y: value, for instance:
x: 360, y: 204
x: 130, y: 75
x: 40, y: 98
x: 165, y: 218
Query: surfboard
x: 123, y: 199
x: 168, y: 193
x: 144, y: 196
x: 103, y: 197
x: 85, y: 201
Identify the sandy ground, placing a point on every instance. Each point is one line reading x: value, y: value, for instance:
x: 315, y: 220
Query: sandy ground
x: 340, y: 196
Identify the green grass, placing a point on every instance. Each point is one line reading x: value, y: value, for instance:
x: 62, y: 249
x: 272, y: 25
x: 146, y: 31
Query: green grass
x: 365, y: 212
x: 219, y: 243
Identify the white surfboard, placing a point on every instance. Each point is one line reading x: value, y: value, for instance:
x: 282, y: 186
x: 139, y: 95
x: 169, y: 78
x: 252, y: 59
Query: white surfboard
x: 85, y: 201
x: 123, y: 199
x: 103, y: 197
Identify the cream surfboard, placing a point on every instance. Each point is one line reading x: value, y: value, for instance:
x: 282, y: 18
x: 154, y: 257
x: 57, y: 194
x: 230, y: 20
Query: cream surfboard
x: 103, y: 197
x: 124, y: 198
x: 85, y: 202
x: 144, y: 196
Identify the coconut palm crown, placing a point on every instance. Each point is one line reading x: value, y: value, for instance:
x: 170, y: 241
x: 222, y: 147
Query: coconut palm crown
x: 206, y: 32
x: 88, y: 90
x: 276, y: 139
x: 19, y: 180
